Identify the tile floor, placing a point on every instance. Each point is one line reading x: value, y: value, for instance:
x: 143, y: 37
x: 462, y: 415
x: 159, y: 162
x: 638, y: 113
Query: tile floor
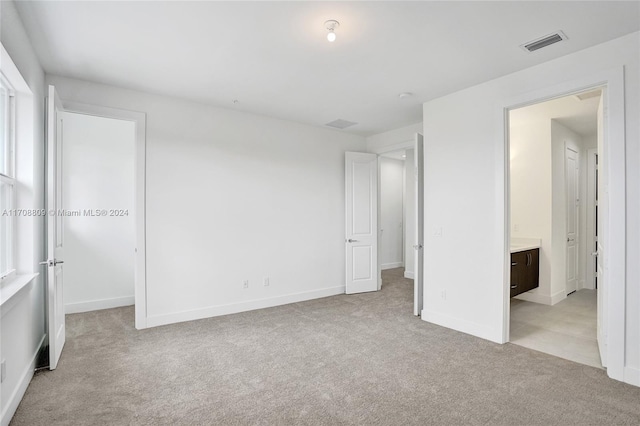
x: 566, y: 329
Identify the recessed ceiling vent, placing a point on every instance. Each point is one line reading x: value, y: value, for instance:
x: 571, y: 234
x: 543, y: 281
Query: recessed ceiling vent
x: 341, y: 124
x: 545, y: 41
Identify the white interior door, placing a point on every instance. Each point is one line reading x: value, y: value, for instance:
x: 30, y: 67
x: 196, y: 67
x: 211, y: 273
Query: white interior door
x: 572, y: 181
x: 55, y: 232
x: 419, y: 228
x: 602, y: 215
x: 361, y: 239
x: 590, y: 238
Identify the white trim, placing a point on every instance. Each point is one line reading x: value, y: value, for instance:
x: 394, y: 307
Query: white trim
x: 463, y: 326
x: 23, y: 383
x: 632, y: 376
x: 590, y: 261
x: 11, y: 289
x: 233, y: 308
x: 139, y: 118
x: 409, y: 274
x: 391, y: 265
x: 531, y: 296
x: 391, y: 148
x: 96, y: 305
x: 615, y: 258
x: 379, y: 213
x: 11, y: 72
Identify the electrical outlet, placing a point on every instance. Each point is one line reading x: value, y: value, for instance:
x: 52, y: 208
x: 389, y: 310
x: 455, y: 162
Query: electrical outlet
x: 3, y: 370
x: 516, y: 227
x: 443, y: 294
x: 266, y: 282
x: 246, y: 284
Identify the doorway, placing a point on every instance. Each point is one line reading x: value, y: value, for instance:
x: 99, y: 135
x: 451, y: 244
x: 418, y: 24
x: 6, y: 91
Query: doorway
x: 553, y: 306
x: 97, y: 174
x: 396, y: 199
x: 139, y: 194
x: 363, y: 233
x: 87, y: 149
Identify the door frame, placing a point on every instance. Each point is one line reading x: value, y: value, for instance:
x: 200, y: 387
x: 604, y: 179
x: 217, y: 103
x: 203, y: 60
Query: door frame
x: 590, y: 229
x: 140, y: 268
x: 612, y: 80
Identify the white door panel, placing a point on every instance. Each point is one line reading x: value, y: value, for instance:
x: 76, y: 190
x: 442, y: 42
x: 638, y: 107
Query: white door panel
x: 55, y: 231
x: 418, y: 296
x: 602, y: 215
x: 361, y: 240
x: 572, y: 182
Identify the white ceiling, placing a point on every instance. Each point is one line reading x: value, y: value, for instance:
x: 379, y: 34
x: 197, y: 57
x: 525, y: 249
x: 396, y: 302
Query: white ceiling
x: 273, y: 57
x: 578, y: 115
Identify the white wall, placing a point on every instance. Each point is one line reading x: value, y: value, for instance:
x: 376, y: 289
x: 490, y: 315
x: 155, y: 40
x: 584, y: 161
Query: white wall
x: 393, y: 137
x: 391, y: 213
x: 464, y: 188
x: 230, y: 197
x: 98, y: 156
x: 530, y: 179
x: 22, y: 323
x: 409, y: 213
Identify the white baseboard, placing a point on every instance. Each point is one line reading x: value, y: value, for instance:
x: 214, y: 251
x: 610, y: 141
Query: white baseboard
x: 558, y: 297
x: 632, y: 376
x: 15, y: 398
x: 96, y: 305
x: 249, y: 305
x: 542, y: 298
x: 409, y: 274
x: 463, y: 326
x: 391, y: 265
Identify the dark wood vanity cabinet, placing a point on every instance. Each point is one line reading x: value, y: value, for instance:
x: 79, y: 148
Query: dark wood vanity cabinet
x: 525, y: 271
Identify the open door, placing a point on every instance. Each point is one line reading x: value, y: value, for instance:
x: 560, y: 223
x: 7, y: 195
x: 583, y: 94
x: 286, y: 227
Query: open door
x: 602, y: 216
x: 361, y: 205
x: 572, y: 192
x: 419, y: 229
x: 55, y: 252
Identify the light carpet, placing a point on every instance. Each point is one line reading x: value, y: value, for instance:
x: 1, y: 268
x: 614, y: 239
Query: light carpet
x: 342, y: 360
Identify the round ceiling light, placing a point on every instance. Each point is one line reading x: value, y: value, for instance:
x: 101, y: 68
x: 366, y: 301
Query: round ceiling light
x: 331, y: 26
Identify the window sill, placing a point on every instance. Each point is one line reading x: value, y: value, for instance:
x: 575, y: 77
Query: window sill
x: 10, y: 290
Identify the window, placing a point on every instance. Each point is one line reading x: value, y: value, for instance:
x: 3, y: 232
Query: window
x: 7, y: 179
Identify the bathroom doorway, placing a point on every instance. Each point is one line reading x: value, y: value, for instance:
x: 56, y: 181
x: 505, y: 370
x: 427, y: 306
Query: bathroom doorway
x: 553, y: 302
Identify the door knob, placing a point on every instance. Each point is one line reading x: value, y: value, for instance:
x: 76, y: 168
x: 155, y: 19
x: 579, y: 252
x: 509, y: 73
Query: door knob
x: 417, y: 247
x: 352, y: 241
x: 53, y: 262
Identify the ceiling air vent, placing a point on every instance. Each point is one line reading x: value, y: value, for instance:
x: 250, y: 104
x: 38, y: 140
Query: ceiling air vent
x: 545, y: 41
x: 341, y: 124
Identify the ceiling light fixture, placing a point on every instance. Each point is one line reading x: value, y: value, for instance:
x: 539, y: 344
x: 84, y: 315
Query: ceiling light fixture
x: 331, y: 26
x: 405, y: 95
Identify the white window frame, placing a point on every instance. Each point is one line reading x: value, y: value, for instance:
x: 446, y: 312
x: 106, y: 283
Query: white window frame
x: 9, y: 178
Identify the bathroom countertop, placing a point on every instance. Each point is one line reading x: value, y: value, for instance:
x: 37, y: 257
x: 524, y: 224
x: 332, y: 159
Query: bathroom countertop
x: 523, y: 244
